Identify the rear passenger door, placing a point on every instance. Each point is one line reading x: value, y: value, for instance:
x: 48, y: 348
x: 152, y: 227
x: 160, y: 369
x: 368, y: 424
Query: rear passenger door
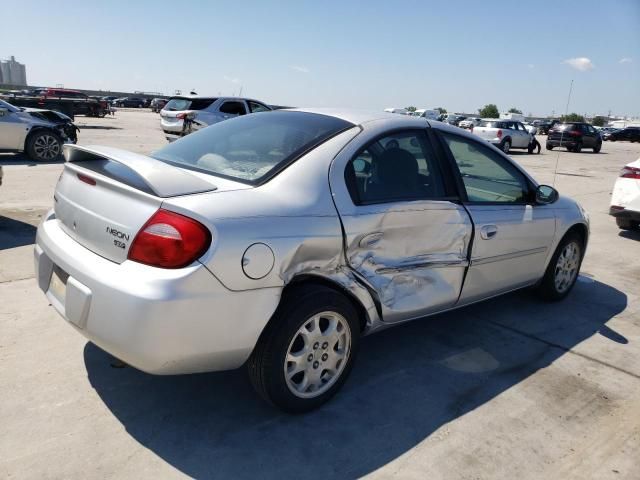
x: 406, y: 234
x: 512, y: 235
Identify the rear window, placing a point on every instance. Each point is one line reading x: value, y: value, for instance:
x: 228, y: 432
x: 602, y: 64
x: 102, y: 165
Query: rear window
x: 252, y: 148
x: 492, y: 124
x: 565, y: 126
x: 179, y: 104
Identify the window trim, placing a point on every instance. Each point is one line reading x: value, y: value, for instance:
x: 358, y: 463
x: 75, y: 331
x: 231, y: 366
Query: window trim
x: 355, y: 197
x: 531, y: 186
x: 249, y: 102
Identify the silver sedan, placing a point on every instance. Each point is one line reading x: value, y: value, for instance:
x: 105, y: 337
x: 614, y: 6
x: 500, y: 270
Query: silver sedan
x: 279, y: 239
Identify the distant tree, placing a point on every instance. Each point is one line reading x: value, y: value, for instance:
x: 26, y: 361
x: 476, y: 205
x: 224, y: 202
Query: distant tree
x: 598, y: 121
x: 489, y: 111
x: 441, y: 110
x: 514, y: 110
x: 410, y: 109
x: 572, y: 117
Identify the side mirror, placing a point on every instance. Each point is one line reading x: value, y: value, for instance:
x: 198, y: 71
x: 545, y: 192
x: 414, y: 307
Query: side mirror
x: 546, y: 195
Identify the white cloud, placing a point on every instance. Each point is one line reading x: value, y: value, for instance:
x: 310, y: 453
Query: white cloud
x: 300, y: 69
x: 232, y: 80
x: 580, y: 63
x: 626, y: 60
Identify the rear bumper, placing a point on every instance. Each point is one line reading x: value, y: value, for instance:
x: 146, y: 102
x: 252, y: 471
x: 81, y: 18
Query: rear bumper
x: 621, y: 212
x: 570, y: 143
x: 158, y: 320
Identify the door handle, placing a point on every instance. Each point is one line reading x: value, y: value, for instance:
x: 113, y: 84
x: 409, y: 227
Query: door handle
x: 488, y: 232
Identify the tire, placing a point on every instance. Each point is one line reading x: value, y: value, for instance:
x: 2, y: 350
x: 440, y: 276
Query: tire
x: 548, y: 146
x: 597, y: 148
x: 505, y: 146
x: 561, y: 274
x: 577, y: 148
x: 306, y: 311
x: 626, y: 224
x: 44, y: 146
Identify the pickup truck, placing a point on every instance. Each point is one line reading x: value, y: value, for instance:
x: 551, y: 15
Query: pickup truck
x: 69, y: 102
x: 504, y: 134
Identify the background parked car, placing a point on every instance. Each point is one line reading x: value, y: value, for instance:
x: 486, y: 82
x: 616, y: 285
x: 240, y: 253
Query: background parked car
x: 470, y: 123
x: 504, y: 134
x: 135, y: 102
x: 38, y: 132
x: 546, y: 125
x: 628, y: 134
x: 185, y: 114
x: 158, y: 104
x: 625, y: 200
x: 574, y: 137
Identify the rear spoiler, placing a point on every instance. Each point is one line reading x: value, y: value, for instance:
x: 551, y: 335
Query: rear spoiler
x: 138, y: 171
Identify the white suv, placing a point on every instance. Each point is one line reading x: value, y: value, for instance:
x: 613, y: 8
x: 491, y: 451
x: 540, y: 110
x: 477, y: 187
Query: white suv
x: 185, y: 114
x: 504, y: 134
x: 625, y: 200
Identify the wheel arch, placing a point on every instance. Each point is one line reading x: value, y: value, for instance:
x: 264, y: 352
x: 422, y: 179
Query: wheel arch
x: 36, y: 129
x: 310, y: 280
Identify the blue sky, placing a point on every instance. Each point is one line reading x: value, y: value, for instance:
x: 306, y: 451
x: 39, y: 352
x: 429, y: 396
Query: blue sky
x: 369, y: 54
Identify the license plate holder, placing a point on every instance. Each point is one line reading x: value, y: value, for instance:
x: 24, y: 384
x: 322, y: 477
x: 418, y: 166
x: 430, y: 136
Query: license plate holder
x: 58, y: 284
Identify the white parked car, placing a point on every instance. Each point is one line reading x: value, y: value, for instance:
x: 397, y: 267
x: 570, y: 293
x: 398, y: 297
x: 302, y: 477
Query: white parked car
x: 401, y: 111
x: 504, y: 134
x: 625, y: 200
x: 428, y: 114
x: 185, y: 114
x: 470, y: 123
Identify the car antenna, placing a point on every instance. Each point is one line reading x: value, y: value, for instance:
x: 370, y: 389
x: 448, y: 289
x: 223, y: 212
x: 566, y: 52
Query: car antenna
x: 566, y: 112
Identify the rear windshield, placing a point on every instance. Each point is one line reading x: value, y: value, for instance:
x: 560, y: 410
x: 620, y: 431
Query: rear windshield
x: 179, y: 104
x: 251, y: 148
x: 492, y: 124
x: 565, y: 126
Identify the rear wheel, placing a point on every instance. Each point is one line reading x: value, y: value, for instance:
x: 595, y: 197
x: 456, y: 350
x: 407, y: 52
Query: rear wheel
x: 578, y: 147
x: 563, y: 269
x: 548, y: 146
x: 44, y: 146
x: 506, y: 146
x: 307, y: 351
x: 597, y: 148
x: 626, y: 224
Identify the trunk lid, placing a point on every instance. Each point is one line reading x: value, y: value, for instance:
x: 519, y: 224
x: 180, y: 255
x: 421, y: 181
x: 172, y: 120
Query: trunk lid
x: 105, y: 195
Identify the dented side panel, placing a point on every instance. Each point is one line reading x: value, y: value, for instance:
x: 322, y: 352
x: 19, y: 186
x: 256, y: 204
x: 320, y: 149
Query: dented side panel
x: 413, y: 254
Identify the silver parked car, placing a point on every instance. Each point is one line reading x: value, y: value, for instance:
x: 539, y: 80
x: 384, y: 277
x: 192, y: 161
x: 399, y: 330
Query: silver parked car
x: 38, y: 132
x: 185, y: 114
x: 279, y: 239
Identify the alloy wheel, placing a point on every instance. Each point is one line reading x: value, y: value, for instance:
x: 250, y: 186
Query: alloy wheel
x: 317, y: 354
x: 567, y: 267
x: 47, y: 147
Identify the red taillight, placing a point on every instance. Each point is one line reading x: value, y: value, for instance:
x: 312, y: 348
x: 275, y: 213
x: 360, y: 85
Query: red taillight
x: 86, y: 179
x: 170, y: 240
x: 181, y: 116
x: 575, y: 133
x: 630, y: 172
x: 499, y: 134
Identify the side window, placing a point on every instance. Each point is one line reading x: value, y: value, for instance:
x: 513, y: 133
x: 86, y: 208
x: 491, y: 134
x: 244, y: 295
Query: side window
x: 258, y: 107
x: 487, y: 177
x: 233, y: 108
x: 397, y: 167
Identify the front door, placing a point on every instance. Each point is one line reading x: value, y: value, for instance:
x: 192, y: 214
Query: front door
x: 13, y: 131
x: 406, y: 237
x: 512, y: 235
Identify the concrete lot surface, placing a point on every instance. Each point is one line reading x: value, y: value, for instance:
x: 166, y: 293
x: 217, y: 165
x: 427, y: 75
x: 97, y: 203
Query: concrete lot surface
x: 510, y: 388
